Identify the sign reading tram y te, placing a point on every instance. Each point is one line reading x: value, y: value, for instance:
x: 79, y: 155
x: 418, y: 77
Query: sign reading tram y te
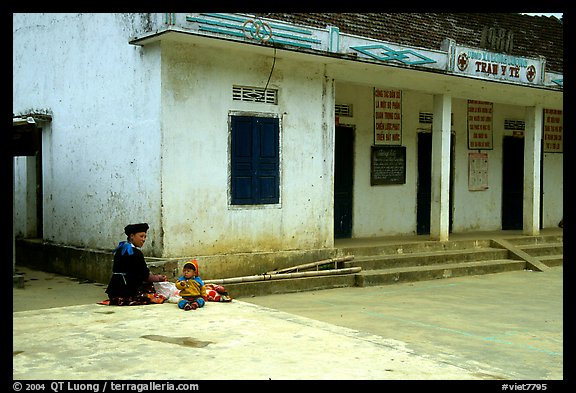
x: 498, y: 66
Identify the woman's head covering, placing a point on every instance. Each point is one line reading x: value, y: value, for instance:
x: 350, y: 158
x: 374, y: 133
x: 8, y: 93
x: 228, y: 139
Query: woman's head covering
x: 135, y: 228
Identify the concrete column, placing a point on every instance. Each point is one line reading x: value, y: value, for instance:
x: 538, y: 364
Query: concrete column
x: 532, y: 156
x: 329, y: 141
x: 440, y: 204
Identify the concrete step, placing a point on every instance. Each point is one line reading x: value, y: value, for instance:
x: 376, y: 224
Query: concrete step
x: 537, y: 250
x: 552, y: 260
x: 384, y: 264
x: 421, y: 273
x: 525, y: 240
x: 413, y: 247
x: 427, y: 258
x: 270, y: 287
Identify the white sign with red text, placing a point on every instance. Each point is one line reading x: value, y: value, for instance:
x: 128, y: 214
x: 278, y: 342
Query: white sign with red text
x: 498, y: 66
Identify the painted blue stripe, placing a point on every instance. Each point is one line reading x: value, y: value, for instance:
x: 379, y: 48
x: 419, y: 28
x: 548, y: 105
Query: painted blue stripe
x: 290, y: 43
x: 211, y: 22
x: 240, y: 34
x: 252, y: 29
x: 225, y: 16
x: 243, y: 19
x: 215, y: 30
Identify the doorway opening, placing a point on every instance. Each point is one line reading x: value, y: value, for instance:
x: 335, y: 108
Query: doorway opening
x: 343, y: 181
x: 512, y: 182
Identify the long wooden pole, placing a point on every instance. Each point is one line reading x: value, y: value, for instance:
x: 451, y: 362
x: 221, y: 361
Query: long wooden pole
x: 280, y: 276
x: 313, y: 264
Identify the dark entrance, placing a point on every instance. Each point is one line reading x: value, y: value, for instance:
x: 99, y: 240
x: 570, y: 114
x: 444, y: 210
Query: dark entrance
x: 424, y: 185
x: 27, y: 141
x: 512, y: 182
x: 343, y: 181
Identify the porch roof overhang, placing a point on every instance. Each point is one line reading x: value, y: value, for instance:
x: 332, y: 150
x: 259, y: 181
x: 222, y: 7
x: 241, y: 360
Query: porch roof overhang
x: 25, y: 132
x: 349, y: 68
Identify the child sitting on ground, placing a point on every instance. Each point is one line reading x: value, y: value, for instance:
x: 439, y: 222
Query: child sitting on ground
x: 191, y: 286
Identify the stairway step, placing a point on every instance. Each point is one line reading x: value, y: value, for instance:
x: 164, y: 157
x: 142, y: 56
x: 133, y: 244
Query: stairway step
x: 537, y: 250
x: 519, y: 241
x: 414, y: 247
x: 384, y: 264
x: 431, y: 272
x: 288, y: 285
x: 552, y: 260
x: 427, y: 258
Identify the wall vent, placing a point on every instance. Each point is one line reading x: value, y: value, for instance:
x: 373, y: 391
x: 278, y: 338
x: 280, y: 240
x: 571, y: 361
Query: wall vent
x: 515, y: 125
x: 425, y: 118
x: 344, y: 110
x: 255, y: 94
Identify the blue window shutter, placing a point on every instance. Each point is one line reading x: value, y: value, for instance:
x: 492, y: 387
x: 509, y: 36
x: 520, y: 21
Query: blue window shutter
x: 255, y: 160
x: 267, y: 160
x: 241, y: 160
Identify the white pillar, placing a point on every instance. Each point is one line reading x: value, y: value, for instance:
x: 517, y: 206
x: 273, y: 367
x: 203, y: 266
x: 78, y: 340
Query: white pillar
x: 329, y: 139
x: 532, y: 156
x: 440, y: 182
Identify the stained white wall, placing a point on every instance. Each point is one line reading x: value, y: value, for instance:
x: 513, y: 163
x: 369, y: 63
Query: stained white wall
x: 101, y: 156
x: 196, y: 102
x: 553, y: 179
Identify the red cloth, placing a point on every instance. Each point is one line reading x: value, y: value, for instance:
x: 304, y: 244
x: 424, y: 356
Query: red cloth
x: 217, y: 293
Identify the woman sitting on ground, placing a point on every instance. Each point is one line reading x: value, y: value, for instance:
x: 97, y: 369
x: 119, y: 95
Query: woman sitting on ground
x: 131, y: 281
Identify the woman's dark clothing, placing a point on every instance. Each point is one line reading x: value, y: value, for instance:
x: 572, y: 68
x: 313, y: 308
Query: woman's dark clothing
x: 128, y: 284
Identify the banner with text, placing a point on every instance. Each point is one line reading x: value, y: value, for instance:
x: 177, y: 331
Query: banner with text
x: 498, y: 66
x: 479, y: 125
x: 387, y: 117
x: 553, y: 131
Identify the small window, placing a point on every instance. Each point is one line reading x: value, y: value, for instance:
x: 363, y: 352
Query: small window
x: 425, y: 118
x: 255, y: 160
x: 344, y: 110
x: 515, y: 125
x: 255, y: 94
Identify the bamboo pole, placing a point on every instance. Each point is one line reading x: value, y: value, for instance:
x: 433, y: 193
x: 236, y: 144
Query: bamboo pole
x: 280, y: 276
x: 313, y: 264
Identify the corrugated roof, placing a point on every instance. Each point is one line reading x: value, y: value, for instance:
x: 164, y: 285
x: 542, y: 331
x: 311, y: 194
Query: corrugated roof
x: 532, y: 35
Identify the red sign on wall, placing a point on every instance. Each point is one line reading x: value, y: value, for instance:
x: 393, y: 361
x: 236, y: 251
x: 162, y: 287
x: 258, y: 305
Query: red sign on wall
x: 387, y: 117
x: 553, y: 131
x: 479, y: 125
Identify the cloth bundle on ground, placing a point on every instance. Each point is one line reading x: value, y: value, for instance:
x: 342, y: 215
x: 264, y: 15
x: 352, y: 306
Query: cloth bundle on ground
x: 217, y: 293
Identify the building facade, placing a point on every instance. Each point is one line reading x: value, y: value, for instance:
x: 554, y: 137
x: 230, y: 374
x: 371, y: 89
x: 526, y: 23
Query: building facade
x: 240, y: 136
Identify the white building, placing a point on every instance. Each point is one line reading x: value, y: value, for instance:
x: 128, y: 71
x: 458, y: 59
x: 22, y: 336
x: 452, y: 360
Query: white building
x: 240, y: 138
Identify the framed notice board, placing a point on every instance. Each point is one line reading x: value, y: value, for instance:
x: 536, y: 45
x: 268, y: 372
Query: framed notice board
x: 388, y: 165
